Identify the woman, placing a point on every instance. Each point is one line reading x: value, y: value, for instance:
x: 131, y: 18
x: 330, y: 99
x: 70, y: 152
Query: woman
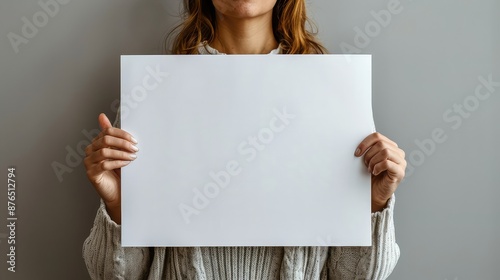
x: 239, y: 27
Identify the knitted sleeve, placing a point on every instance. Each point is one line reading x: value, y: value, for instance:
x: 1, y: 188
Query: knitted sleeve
x: 375, y: 262
x: 104, y: 256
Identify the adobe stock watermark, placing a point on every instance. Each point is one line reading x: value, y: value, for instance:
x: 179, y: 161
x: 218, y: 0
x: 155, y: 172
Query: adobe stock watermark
x: 454, y: 117
x: 40, y: 19
x: 139, y: 93
x: 4, y: 236
x: 249, y: 148
x: 372, y: 29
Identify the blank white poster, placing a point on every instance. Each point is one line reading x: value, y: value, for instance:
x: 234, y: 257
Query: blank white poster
x: 246, y: 150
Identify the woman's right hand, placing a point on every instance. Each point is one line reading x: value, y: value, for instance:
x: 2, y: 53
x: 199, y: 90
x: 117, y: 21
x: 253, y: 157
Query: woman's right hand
x: 109, y: 151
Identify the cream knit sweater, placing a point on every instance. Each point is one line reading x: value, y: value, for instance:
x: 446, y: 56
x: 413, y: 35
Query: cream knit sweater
x: 106, y: 259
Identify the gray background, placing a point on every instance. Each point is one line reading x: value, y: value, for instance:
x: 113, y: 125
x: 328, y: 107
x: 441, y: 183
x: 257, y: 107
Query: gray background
x: 427, y: 59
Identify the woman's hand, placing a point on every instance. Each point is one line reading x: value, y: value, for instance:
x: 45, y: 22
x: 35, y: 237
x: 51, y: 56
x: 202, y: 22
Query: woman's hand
x: 386, y: 162
x: 112, y: 149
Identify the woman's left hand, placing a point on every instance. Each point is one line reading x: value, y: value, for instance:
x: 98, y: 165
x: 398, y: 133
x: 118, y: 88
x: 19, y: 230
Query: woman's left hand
x: 386, y: 162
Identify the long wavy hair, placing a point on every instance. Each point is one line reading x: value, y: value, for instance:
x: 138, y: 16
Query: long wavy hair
x: 290, y: 24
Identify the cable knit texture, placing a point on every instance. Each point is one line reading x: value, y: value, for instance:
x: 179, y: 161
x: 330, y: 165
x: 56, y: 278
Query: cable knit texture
x: 106, y: 259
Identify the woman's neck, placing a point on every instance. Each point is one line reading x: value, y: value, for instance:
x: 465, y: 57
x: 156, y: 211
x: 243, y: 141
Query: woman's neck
x: 244, y: 36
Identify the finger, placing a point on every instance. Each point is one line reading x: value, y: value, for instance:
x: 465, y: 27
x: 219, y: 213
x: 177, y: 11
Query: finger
x: 108, y: 129
x: 371, y: 140
x: 108, y: 141
x: 104, y: 121
x: 395, y: 172
x: 385, y: 154
x: 110, y: 154
x: 116, y: 132
x: 377, y: 148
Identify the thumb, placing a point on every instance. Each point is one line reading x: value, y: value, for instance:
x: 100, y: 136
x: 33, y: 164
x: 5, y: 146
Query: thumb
x: 104, y: 121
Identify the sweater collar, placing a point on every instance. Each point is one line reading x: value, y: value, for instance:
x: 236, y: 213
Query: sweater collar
x: 205, y: 48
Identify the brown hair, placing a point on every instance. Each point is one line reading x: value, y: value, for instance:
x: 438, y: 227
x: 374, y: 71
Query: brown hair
x: 289, y: 27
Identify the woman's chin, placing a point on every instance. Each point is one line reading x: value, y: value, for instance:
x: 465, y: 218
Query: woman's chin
x: 243, y: 9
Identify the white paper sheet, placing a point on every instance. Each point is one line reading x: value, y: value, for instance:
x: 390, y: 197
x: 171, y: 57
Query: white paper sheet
x: 246, y: 150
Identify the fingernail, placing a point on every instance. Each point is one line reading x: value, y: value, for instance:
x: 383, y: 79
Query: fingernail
x: 358, y: 151
x: 134, y: 140
x: 133, y: 156
x: 135, y: 148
